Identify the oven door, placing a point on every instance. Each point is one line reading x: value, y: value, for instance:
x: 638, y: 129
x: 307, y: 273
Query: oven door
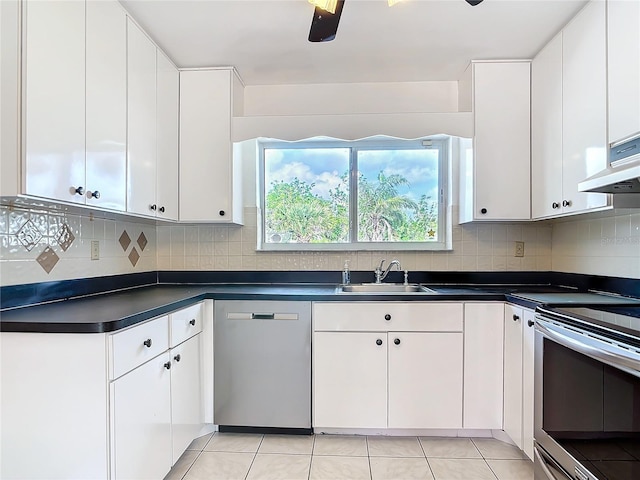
x: 587, y: 404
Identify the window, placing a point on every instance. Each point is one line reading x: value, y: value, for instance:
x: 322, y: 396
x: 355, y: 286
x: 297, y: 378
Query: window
x: 366, y: 195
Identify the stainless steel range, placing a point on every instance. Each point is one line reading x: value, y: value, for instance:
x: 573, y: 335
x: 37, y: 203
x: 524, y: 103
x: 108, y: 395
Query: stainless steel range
x: 587, y: 393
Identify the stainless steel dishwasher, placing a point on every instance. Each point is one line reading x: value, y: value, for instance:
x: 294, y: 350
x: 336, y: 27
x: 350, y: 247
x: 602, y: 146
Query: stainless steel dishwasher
x: 262, y: 366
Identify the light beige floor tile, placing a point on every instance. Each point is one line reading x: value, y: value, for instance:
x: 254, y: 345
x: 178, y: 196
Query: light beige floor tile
x: 220, y: 466
x: 394, y: 447
x: 460, y: 469
x: 280, y: 467
x: 495, y: 449
x: 449, y: 447
x: 512, y: 469
x: 290, y: 444
x: 386, y: 468
x: 350, y: 446
x: 200, y: 442
x: 334, y: 468
x: 234, y: 442
x: 182, y: 465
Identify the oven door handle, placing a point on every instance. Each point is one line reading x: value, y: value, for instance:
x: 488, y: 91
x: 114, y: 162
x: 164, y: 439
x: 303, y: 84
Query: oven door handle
x: 609, y: 353
x: 540, y: 459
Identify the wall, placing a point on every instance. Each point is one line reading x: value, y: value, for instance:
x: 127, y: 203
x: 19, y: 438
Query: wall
x: 40, y: 246
x: 598, y: 245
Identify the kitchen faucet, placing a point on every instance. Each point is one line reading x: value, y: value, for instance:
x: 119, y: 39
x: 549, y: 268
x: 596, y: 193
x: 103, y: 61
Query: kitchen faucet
x: 380, y: 274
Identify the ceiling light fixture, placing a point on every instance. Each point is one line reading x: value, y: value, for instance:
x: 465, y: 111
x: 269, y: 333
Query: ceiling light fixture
x: 326, y: 5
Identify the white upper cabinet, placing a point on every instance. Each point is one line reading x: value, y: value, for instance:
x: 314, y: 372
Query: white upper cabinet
x: 210, y: 182
x: 623, y: 35
x: 106, y: 97
x: 584, y: 103
x: 141, y: 125
x: 568, y: 116
x: 167, y: 138
x: 499, y: 173
x: 54, y: 100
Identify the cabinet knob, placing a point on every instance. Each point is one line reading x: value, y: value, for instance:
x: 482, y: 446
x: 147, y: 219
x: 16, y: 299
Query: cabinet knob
x: 78, y: 191
x: 397, y: 341
x: 167, y: 365
x: 222, y: 213
x: 153, y: 207
x: 177, y: 358
x: 192, y: 321
x: 95, y: 194
x: 515, y: 317
x: 387, y: 317
x: 555, y: 205
x: 147, y: 343
x: 566, y: 203
x: 531, y: 323
x: 483, y: 211
x: 161, y: 209
x: 378, y: 342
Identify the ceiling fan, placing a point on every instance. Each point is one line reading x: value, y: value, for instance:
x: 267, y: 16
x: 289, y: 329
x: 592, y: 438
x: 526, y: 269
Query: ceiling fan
x: 326, y: 17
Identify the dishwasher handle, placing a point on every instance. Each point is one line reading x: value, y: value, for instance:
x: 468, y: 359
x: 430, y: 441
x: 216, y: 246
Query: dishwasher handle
x: 261, y: 316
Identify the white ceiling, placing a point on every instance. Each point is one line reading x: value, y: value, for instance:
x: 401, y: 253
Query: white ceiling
x: 416, y: 40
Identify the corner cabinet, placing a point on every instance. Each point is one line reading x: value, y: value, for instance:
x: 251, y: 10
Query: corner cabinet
x: 127, y: 409
x: 210, y: 176
x: 623, y: 35
x: 568, y: 116
x: 366, y: 357
x: 495, y: 178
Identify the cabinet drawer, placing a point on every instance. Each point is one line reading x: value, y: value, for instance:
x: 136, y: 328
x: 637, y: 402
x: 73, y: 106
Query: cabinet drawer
x: 185, y: 323
x: 136, y: 345
x: 385, y: 316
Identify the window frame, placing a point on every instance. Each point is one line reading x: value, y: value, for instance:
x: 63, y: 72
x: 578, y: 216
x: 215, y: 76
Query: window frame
x: 441, y: 143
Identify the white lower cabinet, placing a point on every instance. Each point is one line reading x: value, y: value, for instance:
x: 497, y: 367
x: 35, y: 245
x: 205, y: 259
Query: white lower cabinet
x: 122, y: 405
x: 141, y: 421
x: 518, y: 376
x: 387, y: 365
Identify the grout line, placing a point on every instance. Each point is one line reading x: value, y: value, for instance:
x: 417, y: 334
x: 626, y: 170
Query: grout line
x: 255, y: 455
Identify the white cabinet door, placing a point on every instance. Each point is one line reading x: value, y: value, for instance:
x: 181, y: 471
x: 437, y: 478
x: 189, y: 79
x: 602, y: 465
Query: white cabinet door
x: 501, y: 102
x: 207, y: 189
x: 141, y: 127
x: 141, y: 422
x: 546, y: 130
x: 623, y: 34
x: 54, y: 108
x: 167, y: 137
x: 349, y: 380
x: 584, y: 119
x: 527, y: 381
x: 425, y: 380
x: 186, y: 395
x: 483, y: 364
x: 513, y: 373
x: 106, y: 98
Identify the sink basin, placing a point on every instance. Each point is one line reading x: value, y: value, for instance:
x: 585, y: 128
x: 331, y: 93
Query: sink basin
x: 383, y: 288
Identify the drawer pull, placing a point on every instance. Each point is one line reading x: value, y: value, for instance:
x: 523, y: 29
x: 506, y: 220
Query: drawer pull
x: 192, y: 321
x: 387, y: 317
x: 397, y: 341
x: 167, y: 365
x: 515, y: 317
x: 147, y: 343
x: 531, y: 323
x: 177, y: 358
x: 378, y: 342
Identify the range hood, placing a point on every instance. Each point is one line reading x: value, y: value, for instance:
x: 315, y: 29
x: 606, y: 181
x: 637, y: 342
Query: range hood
x: 622, y: 176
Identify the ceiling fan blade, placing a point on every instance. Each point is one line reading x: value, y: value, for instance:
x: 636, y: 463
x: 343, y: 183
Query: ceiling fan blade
x: 473, y: 3
x: 324, y: 25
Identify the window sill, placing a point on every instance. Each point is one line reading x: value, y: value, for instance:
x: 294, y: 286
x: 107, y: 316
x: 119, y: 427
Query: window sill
x: 354, y: 247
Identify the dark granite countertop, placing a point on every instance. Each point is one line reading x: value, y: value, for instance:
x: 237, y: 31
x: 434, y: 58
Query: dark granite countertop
x: 109, y: 312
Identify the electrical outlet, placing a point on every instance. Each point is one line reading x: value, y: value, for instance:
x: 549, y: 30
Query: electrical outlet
x: 519, y: 252
x: 95, y: 250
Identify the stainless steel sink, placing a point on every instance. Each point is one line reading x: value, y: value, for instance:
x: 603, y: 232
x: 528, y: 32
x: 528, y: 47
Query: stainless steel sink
x: 384, y: 288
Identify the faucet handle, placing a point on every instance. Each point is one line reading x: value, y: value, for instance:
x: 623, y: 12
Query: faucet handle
x: 379, y: 268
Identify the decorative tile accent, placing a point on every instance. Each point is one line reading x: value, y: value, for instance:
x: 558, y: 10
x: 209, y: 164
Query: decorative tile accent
x: 65, y: 237
x: 124, y: 240
x: 29, y: 235
x: 134, y: 256
x: 142, y: 241
x: 48, y: 259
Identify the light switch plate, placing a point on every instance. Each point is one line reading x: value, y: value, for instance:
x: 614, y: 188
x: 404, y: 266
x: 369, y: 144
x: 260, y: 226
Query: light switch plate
x: 95, y: 250
x: 519, y: 251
